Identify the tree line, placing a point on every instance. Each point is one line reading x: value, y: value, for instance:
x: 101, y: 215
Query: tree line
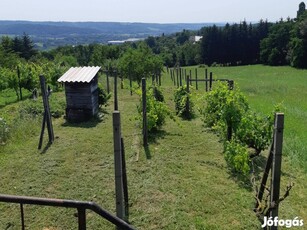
x: 280, y: 43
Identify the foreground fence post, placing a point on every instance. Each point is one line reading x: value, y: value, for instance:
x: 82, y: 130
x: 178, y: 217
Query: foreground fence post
x: 144, y: 104
x: 276, y: 166
x: 118, y: 164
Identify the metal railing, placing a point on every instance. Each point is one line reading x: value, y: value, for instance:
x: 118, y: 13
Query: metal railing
x: 81, y: 206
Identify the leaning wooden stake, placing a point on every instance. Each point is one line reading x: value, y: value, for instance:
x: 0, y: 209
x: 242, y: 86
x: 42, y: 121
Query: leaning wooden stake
x: 125, y: 181
x: 276, y: 166
x: 118, y: 164
x: 47, y: 114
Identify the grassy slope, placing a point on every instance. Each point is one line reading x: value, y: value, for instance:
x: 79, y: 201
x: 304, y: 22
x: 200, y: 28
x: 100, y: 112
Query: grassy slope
x: 180, y: 182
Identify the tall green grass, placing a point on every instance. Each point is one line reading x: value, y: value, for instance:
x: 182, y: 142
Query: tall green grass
x: 8, y: 96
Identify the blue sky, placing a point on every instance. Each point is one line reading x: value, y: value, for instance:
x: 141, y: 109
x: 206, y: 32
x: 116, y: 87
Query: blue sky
x: 159, y: 11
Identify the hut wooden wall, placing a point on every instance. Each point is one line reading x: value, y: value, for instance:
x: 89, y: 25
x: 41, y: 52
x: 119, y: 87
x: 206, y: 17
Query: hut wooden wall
x: 81, y: 100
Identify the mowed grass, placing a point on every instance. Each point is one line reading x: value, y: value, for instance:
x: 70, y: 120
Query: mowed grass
x: 180, y: 182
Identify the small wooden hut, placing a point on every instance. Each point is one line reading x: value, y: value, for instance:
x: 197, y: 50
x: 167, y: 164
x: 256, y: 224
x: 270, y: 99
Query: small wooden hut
x: 81, y: 89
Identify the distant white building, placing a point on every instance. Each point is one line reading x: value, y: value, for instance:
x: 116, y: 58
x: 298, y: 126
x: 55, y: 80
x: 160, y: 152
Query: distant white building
x: 195, y: 39
x: 127, y: 40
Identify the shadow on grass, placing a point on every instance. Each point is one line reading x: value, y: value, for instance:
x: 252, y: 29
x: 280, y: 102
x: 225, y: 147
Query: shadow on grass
x: 147, y: 152
x: 91, y: 123
x: 154, y: 136
x: 187, y: 117
x: 153, y: 139
x: 46, y: 148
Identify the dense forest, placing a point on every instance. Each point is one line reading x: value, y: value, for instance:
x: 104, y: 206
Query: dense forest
x: 280, y: 43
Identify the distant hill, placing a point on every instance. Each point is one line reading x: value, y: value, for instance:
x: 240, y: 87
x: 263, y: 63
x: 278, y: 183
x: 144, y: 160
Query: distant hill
x: 51, y: 34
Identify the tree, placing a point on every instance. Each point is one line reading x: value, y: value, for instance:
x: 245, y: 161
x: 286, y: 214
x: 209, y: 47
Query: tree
x: 275, y: 48
x: 140, y: 62
x: 298, y: 45
x: 301, y: 10
x: 27, y: 47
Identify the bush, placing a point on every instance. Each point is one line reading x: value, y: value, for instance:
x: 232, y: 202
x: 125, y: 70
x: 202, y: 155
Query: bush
x: 4, y: 131
x: 103, y: 97
x: 158, y: 94
x: 157, y: 111
x: 237, y: 157
x: 229, y: 108
x: 224, y: 108
x: 36, y: 107
x: 181, y: 97
x: 255, y: 131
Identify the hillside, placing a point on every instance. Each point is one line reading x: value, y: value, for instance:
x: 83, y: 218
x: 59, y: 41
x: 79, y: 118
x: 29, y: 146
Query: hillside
x: 180, y: 182
x: 51, y: 34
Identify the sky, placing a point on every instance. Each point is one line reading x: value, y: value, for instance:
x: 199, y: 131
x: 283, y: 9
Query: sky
x: 154, y: 11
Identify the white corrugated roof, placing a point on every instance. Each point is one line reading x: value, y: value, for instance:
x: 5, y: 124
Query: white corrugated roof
x: 80, y: 74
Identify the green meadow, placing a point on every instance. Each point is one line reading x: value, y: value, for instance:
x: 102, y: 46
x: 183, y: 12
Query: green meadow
x: 180, y: 182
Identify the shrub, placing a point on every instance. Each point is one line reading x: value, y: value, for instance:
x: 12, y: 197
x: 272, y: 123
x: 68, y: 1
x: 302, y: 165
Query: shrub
x: 181, y: 97
x: 36, y: 107
x: 255, y: 131
x: 224, y: 108
x: 229, y: 108
x: 4, y: 131
x: 157, y: 111
x: 237, y: 157
x: 103, y: 97
x: 158, y: 94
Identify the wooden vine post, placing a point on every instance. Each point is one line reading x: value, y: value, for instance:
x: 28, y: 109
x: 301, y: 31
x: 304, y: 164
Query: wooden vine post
x: 118, y: 165
x: 108, y: 82
x: 210, y: 81
x: 188, y: 97
x: 19, y: 83
x: 273, y: 164
x: 177, y: 76
x: 115, y: 93
x: 196, y: 79
x: 276, y: 166
x: 180, y: 76
x: 144, y: 103
x: 206, y: 79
